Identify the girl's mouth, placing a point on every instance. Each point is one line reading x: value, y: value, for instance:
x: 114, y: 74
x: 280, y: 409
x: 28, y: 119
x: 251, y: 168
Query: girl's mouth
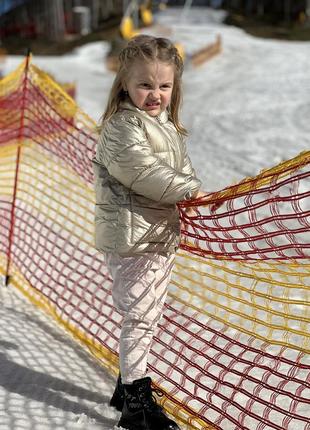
x: 153, y: 104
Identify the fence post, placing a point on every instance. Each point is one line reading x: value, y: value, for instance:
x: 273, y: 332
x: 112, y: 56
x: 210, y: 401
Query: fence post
x: 20, y: 137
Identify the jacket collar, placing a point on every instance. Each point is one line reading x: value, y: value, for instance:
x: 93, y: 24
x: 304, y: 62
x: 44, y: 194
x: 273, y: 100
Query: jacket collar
x: 162, y: 118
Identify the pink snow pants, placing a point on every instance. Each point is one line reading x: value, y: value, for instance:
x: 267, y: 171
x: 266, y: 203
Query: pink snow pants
x: 139, y: 291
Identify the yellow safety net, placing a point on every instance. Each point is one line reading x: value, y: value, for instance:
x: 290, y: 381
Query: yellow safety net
x: 232, y: 350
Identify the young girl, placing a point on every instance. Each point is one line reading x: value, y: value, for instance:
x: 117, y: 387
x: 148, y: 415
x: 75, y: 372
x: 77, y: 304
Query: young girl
x: 142, y: 171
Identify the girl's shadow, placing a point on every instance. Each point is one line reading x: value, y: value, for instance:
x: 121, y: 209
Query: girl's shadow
x: 48, y: 389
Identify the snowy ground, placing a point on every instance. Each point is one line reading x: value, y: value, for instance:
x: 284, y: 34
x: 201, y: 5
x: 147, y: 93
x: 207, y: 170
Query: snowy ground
x: 245, y: 110
x: 47, y: 381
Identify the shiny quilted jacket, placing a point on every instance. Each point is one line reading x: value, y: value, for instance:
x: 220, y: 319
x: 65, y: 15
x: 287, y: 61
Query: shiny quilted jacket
x: 141, y: 171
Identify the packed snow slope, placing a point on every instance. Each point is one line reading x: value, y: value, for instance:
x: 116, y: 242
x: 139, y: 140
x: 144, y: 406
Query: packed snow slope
x: 245, y: 110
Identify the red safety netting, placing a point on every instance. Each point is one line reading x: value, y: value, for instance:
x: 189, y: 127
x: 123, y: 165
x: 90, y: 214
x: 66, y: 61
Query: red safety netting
x: 232, y: 349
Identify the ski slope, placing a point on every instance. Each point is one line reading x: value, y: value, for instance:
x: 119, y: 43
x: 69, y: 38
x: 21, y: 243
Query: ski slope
x: 245, y: 110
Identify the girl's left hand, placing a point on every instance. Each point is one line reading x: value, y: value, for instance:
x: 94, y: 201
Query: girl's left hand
x: 192, y: 210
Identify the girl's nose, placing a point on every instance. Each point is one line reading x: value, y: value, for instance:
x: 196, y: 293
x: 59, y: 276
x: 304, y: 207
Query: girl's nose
x: 155, y: 94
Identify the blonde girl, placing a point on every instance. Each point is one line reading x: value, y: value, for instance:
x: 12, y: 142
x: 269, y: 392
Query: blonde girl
x: 142, y: 171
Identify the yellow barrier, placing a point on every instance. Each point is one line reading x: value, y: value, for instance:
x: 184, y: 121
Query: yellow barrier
x: 235, y: 336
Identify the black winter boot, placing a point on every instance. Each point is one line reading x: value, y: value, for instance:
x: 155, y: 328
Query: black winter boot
x: 140, y: 411
x: 117, y: 400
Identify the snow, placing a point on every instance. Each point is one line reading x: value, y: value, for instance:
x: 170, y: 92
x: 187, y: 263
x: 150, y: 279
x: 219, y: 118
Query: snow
x: 47, y: 381
x: 245, y: 110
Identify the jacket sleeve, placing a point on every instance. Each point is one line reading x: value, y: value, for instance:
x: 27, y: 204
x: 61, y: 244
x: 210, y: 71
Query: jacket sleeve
x: 125, y: 151
x: 187, y: 166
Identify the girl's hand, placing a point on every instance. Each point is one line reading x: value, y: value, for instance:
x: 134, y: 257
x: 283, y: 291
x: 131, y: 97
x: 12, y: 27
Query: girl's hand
x: 199, y: 195
x: 215, y: 206
x: 192, y: 210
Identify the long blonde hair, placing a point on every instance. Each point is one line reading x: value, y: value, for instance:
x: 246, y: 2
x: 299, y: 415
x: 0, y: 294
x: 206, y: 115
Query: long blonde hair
x: 147, y: 48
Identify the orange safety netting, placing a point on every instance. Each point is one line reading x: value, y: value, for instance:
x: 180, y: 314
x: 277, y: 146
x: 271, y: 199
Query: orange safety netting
x: 232, y: 350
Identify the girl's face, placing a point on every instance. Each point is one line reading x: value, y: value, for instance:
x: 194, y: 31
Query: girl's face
x: 149, y: 85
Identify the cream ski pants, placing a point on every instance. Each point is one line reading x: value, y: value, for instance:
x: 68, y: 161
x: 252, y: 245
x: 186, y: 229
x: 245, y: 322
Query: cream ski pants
x: 139, y: 291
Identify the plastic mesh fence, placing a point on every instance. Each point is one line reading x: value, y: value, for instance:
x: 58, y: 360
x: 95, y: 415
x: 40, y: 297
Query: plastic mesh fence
x: 232, y: 350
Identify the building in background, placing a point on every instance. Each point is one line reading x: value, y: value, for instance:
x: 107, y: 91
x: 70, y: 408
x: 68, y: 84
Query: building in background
x: 54, y: 19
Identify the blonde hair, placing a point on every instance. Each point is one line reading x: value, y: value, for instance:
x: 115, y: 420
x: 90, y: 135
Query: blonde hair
x: 147, y: 48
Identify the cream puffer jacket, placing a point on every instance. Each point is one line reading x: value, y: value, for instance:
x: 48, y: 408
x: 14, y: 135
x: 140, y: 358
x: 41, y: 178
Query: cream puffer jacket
x: 141, y: 171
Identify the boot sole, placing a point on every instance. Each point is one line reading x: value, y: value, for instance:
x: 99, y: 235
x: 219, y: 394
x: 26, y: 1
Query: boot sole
x: 125, y: 426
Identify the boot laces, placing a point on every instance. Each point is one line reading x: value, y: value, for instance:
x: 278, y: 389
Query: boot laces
x: 148, y: 399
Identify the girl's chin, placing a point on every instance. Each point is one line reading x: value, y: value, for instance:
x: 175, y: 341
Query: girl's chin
x: 153, y: 110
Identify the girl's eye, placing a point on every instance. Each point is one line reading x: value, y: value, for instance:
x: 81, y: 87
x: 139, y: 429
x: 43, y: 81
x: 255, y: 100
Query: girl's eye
x: 145, y: 85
